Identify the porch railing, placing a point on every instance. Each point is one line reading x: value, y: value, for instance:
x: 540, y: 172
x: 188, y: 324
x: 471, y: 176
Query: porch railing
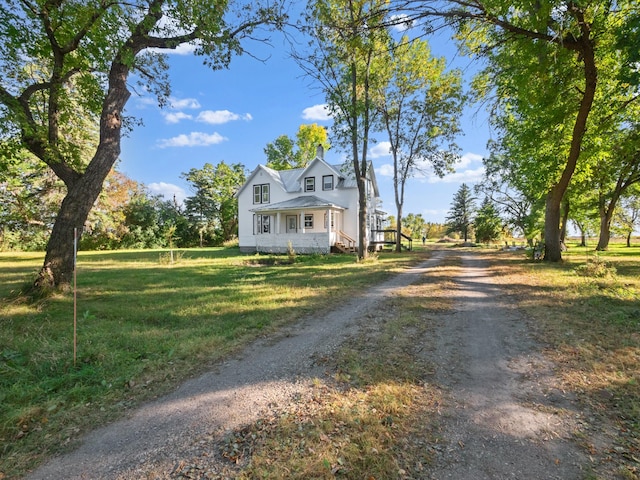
x: 348, y: 241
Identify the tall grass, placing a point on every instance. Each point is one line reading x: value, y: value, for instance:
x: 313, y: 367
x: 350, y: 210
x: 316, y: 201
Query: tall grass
x: 143, y: 324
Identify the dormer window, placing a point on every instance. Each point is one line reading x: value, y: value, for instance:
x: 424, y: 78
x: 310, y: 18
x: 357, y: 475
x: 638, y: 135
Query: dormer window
x: 310, y: 184
x: 327, y: 182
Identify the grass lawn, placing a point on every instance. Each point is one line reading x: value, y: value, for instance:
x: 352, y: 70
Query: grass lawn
x: 143, y: 325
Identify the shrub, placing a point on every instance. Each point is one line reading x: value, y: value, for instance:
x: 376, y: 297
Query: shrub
x: 596, y: 268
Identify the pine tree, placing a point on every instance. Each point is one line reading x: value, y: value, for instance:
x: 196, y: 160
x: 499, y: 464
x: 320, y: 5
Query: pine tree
x: 488, y: 224
x: 460, y: 217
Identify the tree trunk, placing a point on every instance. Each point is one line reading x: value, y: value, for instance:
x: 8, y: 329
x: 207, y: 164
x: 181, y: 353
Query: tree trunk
x: 553, y: 246
x: 629, y: 238
x: 399, y: 229
x: 605, y: 233
x: 362, y: 218
x: 57, y: 270
x: 606, y: 216
x: 564, y: 221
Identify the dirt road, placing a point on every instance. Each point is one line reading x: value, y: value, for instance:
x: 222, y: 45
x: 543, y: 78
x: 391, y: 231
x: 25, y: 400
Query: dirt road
x: 503, y: 424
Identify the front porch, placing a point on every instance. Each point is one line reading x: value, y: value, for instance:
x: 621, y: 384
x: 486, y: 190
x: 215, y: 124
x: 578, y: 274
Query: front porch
x: 306, y: 224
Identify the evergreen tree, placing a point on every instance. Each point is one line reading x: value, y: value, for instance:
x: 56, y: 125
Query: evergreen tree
x: 488, y: 224
x: 460, y: 217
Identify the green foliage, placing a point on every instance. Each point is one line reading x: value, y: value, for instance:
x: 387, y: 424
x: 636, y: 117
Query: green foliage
x: 559, y: 104
x: 460, y: 217
x: 487, y: 223
x: 414, y: 225
x: 281, y: 154
x: 66, y: 71
x: 214, y: 207
x: 596, y: 267
x: 345, y: 42
x: 419, y: 106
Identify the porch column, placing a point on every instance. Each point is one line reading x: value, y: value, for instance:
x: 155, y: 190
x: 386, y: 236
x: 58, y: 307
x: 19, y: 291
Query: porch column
x: 277, y: 223
x: 329, y: 232
x: 302, y: 221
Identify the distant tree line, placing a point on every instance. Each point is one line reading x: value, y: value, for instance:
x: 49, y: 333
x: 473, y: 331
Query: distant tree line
x: 509, y: 214
x: 126, y: 214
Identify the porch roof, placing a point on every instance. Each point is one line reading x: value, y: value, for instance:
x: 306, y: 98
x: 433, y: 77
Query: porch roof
x: 299, y: 203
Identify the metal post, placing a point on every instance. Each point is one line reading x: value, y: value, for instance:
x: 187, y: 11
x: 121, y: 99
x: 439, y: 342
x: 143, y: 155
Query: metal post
x: 75, y: 310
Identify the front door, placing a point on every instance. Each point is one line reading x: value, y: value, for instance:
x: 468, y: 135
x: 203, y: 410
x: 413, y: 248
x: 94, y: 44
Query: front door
x: 292, y: 223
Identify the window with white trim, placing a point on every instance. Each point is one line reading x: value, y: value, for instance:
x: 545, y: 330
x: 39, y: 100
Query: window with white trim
x: 327, y: 182
x: 310, y: 184
x: 308, y: 221
x: 261, y: 193
x: 262, y: 224
x: 333, y: 219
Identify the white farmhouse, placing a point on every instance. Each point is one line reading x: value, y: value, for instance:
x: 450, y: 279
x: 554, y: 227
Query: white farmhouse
x: 314, y: 209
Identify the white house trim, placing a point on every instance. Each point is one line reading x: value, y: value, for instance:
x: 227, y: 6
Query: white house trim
x: 309, y: 221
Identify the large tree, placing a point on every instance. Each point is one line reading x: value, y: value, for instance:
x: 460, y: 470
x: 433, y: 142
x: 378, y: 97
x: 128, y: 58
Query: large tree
x: 64, y: 61
x: 487, y: 222
x: 463, y: 206
x: 213, y: 205
x: 284, y: 152
x: 419, y: 108
x: 346, y: 38
x: 542, y: 66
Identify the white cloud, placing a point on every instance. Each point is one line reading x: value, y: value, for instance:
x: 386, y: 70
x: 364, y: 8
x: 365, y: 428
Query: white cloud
x: 168, y: 190
x: 218, y: 117
x: 467, y: 159
x: 317, y: 112
x: 466, y: 176
x: 182, y: 103
x: 144, y: 102
x: 385, y: 170
x: 182, y: 49
x: 382, y: 149
x: 194, y: 139
x: 175, y: 117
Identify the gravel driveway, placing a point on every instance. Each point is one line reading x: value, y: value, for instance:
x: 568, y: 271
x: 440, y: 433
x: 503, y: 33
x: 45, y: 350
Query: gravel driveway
x: 485, y: 360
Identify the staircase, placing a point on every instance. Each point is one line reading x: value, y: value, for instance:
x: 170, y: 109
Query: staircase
x: 342, y: 248
x: 345, y: 244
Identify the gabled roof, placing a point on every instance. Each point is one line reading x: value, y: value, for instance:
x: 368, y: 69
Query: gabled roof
x: 312, y: 163
x: 274, y: 174
x: 298, y: 203
x: 289, y: 180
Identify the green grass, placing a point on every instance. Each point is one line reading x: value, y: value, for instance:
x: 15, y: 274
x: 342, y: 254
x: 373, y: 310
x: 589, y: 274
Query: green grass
x: 143, y: 325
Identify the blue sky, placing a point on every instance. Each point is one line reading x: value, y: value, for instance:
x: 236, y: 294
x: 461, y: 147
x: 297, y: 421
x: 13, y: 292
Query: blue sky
x: 232, y: 114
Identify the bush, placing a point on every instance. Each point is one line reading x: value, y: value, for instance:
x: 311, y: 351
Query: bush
x: 596, y: 268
